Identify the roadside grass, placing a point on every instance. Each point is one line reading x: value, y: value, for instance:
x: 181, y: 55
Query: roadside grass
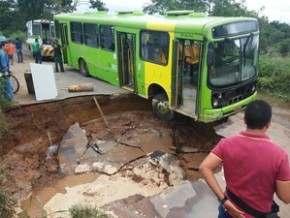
x: 6, y: 205
x: 78, y: 211
x: 274, y: 76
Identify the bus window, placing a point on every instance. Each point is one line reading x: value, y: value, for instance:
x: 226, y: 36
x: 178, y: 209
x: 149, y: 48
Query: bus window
x: 91, y: 36
x: 36, y: 29
x: 51, y: 31
x: 234, y: 61
x: 154, y: 46
x: 76, y: 32
x: 190, y: 60
x: 107, y: 37
x: 57, y: 29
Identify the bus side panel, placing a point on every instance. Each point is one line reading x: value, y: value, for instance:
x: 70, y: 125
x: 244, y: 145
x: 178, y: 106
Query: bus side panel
x: 105, y: 67
x: 159, y: 74
x: 101, y: 64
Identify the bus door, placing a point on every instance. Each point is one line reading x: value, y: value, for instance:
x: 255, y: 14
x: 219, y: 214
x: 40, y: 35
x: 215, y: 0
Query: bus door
x: 187, y: 54
x: 126, y: 57
x: 64, y: 41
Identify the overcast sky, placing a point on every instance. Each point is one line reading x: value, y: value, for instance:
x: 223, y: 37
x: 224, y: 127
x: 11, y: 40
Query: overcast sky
x: 274, y: 10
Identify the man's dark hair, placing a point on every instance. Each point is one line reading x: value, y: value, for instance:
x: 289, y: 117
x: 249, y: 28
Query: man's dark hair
x: 258, y: 114
x: 3, y: 43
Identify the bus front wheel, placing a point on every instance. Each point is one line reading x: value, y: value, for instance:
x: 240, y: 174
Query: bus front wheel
x: 160, y: 106
x: 83, y: 68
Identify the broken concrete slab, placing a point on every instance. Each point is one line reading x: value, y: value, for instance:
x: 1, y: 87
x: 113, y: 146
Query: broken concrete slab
x: 134, y: 206
x: 119, y: 156
x: 189, y: 199
x: 103, y: 146
x: 173, y: 198
x: 186, y: 200
x: 72, y: 148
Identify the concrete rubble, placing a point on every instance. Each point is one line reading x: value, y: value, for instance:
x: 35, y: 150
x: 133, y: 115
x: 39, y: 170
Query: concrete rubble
x: 174, y: 196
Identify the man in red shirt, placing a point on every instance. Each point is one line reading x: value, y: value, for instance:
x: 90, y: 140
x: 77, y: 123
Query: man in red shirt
x: 254, y: 167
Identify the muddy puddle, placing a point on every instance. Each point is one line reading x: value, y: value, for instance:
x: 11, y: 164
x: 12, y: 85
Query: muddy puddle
x: 132, y: 127
x: 34, y: 204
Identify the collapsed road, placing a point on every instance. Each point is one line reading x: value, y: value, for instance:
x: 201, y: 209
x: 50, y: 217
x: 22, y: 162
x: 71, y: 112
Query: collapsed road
x: 132, y: 134
x: 150, y: 163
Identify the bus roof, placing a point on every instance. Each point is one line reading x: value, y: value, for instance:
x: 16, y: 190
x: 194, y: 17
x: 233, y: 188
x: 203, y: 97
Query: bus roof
x: 40, y: 21
x: 182, y: 21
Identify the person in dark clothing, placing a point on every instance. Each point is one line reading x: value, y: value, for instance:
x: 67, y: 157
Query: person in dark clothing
x: 57, y: 56
x: 18, y: 45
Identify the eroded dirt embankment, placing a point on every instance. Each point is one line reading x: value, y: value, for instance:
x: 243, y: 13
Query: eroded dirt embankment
x: 33, y: 122
x: 35, y: 127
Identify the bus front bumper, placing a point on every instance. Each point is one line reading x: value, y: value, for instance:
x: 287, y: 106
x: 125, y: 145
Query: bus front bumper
x: 211, y: 115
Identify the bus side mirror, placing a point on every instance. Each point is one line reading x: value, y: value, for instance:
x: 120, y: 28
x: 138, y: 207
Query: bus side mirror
x: 210, y: 55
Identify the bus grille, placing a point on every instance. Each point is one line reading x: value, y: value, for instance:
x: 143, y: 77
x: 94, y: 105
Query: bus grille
x: 234, y: 96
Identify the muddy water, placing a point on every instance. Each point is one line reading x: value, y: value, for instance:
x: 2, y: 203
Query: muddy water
x: 33, y: 205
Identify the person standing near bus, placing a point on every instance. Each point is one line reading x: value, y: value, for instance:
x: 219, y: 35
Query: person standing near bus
x: 254, y: 167
x: 5, y: 73
x: 10, y: 52
x: 37, y: 51
x: 18, y: 45
x: 57, y: 55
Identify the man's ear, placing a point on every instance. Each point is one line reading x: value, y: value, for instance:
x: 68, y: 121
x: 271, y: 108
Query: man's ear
x: 268, y: 124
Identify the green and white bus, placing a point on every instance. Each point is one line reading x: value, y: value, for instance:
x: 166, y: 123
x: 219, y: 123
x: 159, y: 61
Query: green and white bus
x: 44, y: 31
x: 186, y: 62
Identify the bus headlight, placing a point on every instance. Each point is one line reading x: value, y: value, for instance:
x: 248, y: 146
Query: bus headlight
x: 217, y: 100
x: 253, y: 88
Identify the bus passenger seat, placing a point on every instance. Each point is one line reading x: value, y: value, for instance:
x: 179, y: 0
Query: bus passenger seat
x: 192, y: 54
x: 163, y: 59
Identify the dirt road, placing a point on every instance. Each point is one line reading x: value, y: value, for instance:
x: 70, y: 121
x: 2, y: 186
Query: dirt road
x: 62, y: 80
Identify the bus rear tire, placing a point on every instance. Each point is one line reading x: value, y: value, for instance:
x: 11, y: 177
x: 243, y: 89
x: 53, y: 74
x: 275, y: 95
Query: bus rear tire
x: 160, y: 106
x: 83, y: 68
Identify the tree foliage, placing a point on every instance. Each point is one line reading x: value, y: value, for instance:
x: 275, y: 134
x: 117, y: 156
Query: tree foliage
x: 15, y: 13
x: 271, y: 34
x: 99, y: 5
x: 161, y: 6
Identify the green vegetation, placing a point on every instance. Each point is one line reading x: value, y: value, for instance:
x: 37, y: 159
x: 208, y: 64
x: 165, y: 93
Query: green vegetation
x: 274, y: 75
x: 14, y: 14
x: 6, y: 205
x: 78, y: 211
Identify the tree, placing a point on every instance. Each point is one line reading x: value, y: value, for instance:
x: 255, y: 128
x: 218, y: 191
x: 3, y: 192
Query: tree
x: 32, y: 9
x: 62, y: 6
x: 98, y: 5
x: 7, y: 14
x: 161, y: 6
x: 284, y: 47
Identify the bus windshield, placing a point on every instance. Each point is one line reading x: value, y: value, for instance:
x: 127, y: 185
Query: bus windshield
x: 234, y: 61
x: 36, y: 29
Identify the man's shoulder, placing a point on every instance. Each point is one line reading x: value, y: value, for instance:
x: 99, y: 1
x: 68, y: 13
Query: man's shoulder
x: 1, y: 53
